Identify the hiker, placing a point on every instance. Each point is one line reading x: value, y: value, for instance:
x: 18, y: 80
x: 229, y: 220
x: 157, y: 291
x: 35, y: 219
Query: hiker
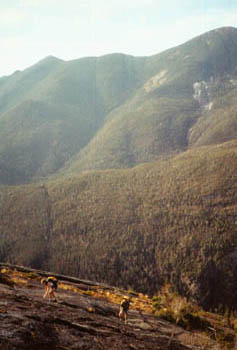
x: 50, y: 284
x: 124, y: 306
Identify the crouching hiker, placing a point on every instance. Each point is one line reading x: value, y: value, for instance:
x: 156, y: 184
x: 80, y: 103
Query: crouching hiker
x: 124, y: 307
x: 50, y: 285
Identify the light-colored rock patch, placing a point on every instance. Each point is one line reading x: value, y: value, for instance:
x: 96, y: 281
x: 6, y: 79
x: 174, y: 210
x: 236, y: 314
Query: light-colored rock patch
x: 202, y: 94
x: 233, y: 82
x: 209, y: 106
x: 156, y: 81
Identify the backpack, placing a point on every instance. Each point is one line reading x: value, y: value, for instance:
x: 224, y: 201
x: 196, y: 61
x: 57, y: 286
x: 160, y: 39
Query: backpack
x: 53, y: 280
x: 125, y: 304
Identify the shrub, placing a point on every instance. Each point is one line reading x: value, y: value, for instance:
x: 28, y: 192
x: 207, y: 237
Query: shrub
x: 175, y: 308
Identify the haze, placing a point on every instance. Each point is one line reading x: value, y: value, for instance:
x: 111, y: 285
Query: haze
x: 33, y: 29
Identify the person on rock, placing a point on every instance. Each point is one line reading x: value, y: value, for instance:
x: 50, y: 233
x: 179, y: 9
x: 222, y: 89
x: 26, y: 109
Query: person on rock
x: 124, y: 307
x: 50, y: 284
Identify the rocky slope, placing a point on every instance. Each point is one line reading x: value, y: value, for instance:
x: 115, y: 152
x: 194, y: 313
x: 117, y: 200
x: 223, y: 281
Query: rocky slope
x: 84, y: 317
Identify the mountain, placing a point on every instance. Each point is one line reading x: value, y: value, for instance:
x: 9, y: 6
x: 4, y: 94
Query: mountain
x: 122, y: 169
x: 117, y: 111
x: 186, y: 93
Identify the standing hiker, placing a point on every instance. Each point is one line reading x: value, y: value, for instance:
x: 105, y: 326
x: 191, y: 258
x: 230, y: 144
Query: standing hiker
x: 124, y: 307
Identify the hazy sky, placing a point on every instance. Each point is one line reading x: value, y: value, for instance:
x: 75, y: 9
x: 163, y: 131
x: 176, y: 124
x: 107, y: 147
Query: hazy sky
x: 33, y: 29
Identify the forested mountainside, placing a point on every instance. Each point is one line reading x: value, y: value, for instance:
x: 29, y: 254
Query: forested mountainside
x: 117, y: 111
x: 167, y: 221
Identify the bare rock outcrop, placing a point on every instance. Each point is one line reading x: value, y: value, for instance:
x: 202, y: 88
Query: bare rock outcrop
x: 78, y: 320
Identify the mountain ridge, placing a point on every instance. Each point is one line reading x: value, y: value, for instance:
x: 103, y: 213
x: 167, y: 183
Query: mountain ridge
x: 156, y: 100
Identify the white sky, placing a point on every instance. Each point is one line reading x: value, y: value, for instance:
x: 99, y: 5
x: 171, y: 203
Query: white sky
x: 33, y: 29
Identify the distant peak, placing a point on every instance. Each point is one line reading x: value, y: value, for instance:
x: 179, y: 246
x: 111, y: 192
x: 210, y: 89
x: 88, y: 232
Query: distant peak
x: 226, y: 29
x: 50, y: 58
x: 223, y: 30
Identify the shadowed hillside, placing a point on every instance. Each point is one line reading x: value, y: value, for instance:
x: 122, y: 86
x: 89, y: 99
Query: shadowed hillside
x: 44, y: 123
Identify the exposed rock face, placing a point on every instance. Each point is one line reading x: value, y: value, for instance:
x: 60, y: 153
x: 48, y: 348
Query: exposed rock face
x: 78, y: 321
x: 156, y: 81
x: 204, y: 92
x: 202, y: 95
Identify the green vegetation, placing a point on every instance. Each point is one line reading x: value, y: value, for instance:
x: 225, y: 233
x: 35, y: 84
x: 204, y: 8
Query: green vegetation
x: 219, y: 125
x: 138, y: 134
x: 176, y: 309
